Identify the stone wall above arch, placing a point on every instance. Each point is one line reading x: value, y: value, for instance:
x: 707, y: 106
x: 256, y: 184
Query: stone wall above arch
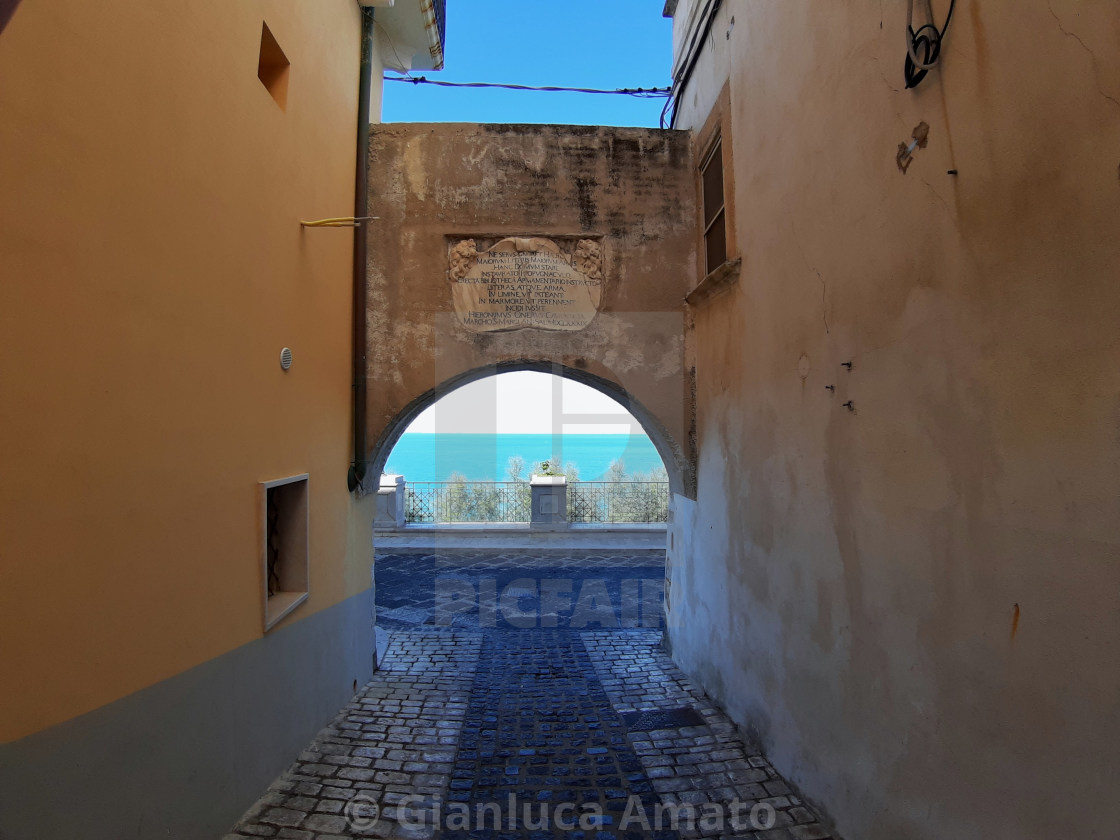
x: 505, y: 247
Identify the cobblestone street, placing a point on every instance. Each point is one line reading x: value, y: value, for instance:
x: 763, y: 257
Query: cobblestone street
x: 523, y: 697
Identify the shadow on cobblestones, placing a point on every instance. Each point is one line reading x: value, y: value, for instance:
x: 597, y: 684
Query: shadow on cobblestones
x: 541, y: 729
x: 498, y: 712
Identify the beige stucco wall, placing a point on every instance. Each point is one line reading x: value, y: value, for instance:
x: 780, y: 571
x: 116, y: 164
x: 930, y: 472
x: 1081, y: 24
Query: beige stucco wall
x: 431, y: 184
x: 153, y: 267
x: 847, y: 584
x: 714, y: 57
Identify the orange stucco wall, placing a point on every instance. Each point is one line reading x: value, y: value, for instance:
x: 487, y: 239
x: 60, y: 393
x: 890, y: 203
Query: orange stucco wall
x: 152, y: 268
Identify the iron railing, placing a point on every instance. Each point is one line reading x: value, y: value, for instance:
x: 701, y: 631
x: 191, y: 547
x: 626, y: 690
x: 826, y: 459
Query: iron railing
x: 592, y: 502
x: 431, y: 502
x: 589, y: 502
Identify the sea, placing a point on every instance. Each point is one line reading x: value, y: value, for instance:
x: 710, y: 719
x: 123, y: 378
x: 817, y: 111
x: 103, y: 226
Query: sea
x: 434, y: 457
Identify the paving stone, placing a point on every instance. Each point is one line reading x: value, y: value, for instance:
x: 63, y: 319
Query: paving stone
x: 810, y: 832
x: 325, y: 822
x: 258, y: 830
x: 283, y: 816
x: 671, y: 785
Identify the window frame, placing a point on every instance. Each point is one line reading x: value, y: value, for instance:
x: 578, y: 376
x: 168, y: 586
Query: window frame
x: 715, y: 134
x: 719, y: 216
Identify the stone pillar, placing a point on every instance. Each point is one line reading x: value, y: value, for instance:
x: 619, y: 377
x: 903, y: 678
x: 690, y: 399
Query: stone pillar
x: 390, y: 503
x: 550, y: 502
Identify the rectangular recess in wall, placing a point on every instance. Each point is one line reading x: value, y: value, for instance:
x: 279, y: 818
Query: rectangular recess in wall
x: 284, y: 547
x: 273, y: 67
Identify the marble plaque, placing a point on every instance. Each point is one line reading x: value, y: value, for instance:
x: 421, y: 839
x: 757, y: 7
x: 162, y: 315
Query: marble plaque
x: 526, y: 282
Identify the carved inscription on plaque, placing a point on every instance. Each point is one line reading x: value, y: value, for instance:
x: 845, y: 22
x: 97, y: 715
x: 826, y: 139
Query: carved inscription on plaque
x: 526, y: 282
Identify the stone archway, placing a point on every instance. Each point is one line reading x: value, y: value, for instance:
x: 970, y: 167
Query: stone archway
x: 564, y: 249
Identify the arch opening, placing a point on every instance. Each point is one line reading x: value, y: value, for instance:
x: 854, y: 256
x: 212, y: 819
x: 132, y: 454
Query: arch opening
x: 533, y: 573
x: 670, y: 452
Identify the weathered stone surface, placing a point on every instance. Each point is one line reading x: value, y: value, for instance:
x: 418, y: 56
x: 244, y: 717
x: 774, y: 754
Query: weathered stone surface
x: 609, y: 211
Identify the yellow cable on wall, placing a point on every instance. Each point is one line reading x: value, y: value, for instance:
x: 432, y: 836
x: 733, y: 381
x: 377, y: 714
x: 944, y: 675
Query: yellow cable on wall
x: 340, y: 221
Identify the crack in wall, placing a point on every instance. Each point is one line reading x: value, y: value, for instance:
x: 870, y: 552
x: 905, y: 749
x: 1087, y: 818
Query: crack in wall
x: 824, y: 301
x: 879, y: 67
x: 945, y: 204
x: 1092, y: 55
x: 820, y: 277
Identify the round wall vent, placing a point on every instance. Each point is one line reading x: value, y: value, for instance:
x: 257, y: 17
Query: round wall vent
x: 286, y: 358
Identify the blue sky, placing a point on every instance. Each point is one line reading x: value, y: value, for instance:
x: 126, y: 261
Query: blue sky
x: 574, y: 43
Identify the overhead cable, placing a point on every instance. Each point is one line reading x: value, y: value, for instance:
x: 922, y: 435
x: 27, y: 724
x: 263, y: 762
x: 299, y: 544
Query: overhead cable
x: 644, y: 93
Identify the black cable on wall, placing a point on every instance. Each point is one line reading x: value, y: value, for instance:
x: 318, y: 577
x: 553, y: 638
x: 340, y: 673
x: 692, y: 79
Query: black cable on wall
x: 923, y: 45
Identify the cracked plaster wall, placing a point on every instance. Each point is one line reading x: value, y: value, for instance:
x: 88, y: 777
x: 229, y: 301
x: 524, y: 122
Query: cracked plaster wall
x: 915, y: 606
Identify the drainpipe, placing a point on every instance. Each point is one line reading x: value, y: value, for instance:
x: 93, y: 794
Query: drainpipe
x: 357, y: 472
